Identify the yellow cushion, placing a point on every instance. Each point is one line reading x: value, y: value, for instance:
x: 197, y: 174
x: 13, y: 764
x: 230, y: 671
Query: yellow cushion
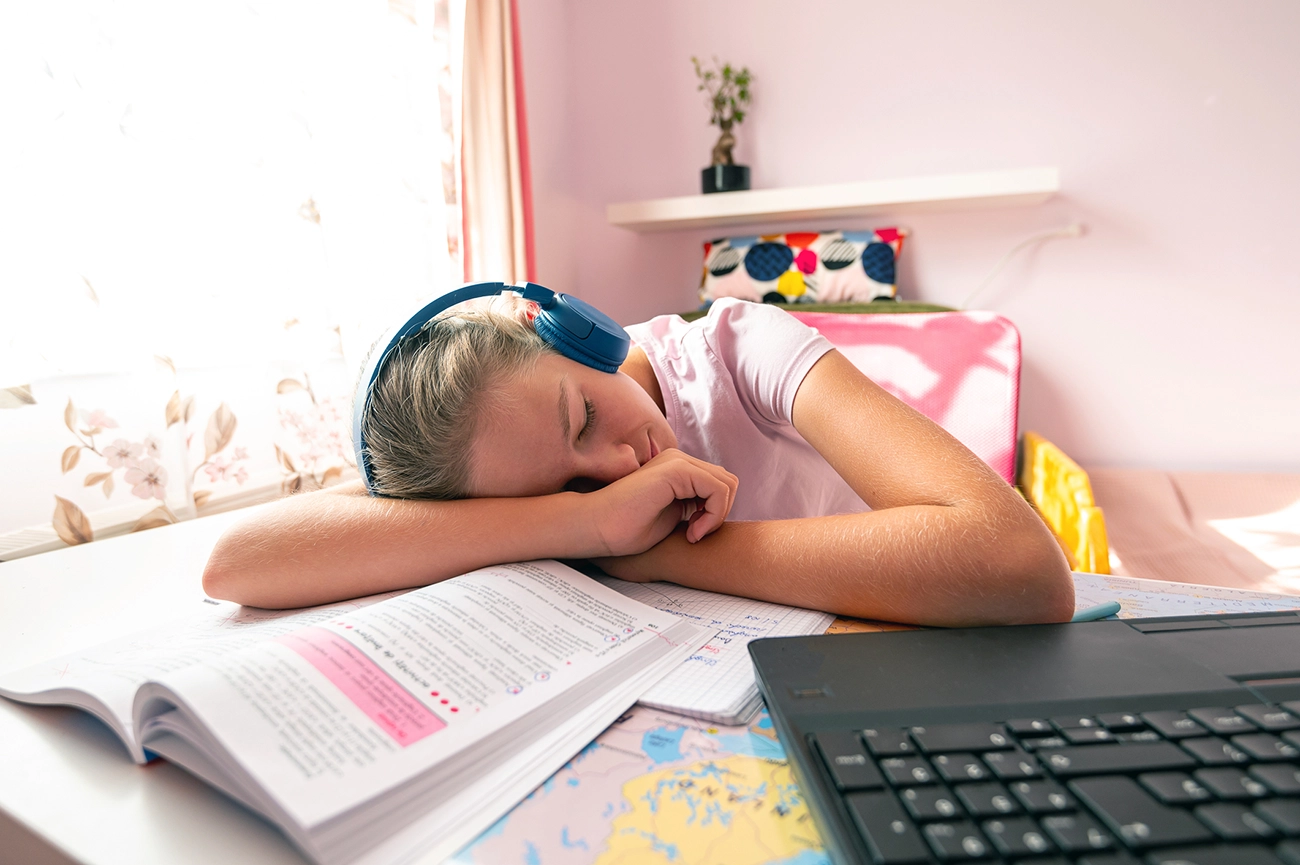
x: 1059, y: 489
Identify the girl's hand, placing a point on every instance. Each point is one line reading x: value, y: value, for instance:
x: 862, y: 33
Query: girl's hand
x: 639, y: 510
x: 653, y: 564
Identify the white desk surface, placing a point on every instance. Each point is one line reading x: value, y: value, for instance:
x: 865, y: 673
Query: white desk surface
x: 68, y: 790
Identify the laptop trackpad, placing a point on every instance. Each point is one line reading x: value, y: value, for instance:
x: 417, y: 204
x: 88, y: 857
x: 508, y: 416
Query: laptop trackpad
x: 1243, y: 653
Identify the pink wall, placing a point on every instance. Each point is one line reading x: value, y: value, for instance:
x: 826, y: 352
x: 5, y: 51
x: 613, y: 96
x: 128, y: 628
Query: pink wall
x: 1165, y: 337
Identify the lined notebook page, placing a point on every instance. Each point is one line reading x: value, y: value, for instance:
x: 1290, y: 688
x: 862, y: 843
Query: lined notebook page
x: 717, y: 682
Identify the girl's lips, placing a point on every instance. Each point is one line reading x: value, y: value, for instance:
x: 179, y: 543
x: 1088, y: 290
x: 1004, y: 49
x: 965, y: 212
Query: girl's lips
x: 654, y: 449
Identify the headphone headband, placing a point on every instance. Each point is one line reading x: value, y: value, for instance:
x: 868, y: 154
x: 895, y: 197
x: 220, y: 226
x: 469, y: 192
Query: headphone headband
x: 573, y: 327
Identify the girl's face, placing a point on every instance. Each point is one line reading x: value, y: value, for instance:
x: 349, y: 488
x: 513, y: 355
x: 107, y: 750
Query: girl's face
x: 561, y: 426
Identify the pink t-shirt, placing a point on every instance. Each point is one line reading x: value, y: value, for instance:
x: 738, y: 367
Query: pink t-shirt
x: 728, y: 382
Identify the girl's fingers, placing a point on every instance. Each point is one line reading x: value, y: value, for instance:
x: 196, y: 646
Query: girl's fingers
x: 713, y: 497
x: 698, y: 470
x: 677, y: 488
x: 701, y: 524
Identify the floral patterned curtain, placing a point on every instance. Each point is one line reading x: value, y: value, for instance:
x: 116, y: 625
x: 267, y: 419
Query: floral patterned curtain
x: 219, y: 208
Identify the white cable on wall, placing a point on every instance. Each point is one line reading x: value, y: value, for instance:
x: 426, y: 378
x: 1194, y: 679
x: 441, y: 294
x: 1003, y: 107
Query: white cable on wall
x: 1074, y: 229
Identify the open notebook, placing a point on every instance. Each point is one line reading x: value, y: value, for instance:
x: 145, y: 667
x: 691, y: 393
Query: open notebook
x: 717, y: 682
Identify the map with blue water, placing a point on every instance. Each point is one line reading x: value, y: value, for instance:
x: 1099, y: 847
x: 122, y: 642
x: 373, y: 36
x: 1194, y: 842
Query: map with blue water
x: 657, y: 787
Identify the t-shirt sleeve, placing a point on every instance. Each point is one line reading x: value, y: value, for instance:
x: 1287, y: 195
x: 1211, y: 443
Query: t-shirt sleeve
x: 767, y: 351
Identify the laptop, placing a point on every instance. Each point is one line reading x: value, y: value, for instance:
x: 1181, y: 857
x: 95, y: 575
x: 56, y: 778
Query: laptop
x: 1163, y: 740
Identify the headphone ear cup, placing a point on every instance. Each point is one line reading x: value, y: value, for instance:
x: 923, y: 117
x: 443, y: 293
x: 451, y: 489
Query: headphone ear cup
x: 559, y: 338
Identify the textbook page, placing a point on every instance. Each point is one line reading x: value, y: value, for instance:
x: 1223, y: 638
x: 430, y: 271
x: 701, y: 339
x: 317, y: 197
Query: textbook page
x: 329, y: 717
x: 110, y: 673
x: 437, y: 836
x: 717, y: 682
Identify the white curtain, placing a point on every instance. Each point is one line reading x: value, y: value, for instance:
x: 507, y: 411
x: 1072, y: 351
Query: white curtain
x: 210, y: 211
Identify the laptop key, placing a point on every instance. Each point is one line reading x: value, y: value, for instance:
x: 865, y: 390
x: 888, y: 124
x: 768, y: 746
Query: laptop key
x: 1042, y: 797
x: 1077, y: 833
x: 962, y: 737
x: 1110, y: 759
x: 1031, y: 726
x: 930, y: 803
x: 1292, y: 736
x: 1120, y: 722
x: 888, y: 743
x: 1107, y: 859
x: 1271, y: 718
x: 1266, y: 747
x: 890, y: 837
x: 1138, y: 736
x: 956, y: 842
x: 1215, y: 752
x: 1018, y: 836
x: 1235, y: 854
x: 1284, y: 814
x: 907, y: 771
x: 1225, y: 722
x: 1012, y: 764
x: 987, y: 800
x: 1044, y: 742
x: 1173, y: 725
x: 847, y: 760
x: 1087, y: 735
x: 1232, y: 822
x: 1066, y: 722
x: 960, y: 767
x: 1139, y: 820
x: 1231, y: 784
x: 1283, y: 780
x: 1175, y: 788
x: 1289, y: 852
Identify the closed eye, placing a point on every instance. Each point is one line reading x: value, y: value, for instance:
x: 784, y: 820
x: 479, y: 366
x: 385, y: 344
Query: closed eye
x: 590, y: 419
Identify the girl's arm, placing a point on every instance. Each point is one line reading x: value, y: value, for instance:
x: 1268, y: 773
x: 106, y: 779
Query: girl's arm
x: 342, y: 543
x: 948, y: 542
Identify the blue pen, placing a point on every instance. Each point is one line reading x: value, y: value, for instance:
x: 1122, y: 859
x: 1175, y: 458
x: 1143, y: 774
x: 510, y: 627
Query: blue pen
x: 1101, y: 611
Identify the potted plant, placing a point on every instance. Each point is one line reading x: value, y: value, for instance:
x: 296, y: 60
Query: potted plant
x: 727, y: 92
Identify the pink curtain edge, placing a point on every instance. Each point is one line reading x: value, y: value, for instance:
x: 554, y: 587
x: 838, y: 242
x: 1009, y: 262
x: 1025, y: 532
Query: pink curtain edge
x: 525, y: 163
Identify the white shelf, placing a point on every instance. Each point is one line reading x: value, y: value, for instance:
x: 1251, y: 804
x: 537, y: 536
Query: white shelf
x: 902, y: 195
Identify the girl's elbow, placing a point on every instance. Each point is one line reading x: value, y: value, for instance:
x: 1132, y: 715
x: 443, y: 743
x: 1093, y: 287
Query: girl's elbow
x: 224, y: 576
x: 1044, y: 579
x: 218, y: 579
x: 1056, y: 594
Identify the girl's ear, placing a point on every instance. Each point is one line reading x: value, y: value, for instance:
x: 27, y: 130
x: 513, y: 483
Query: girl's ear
x: 510, y: 305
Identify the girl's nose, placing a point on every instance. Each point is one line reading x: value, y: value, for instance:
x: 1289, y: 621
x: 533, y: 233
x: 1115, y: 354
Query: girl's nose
x: 620, y: 463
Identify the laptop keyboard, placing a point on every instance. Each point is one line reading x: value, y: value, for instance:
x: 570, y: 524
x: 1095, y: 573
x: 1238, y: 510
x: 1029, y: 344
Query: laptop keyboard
x: 1207, y: 786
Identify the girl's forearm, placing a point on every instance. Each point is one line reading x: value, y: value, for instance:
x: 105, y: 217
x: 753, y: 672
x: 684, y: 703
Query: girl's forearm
x: 907, y: 564
x: 327, y: 546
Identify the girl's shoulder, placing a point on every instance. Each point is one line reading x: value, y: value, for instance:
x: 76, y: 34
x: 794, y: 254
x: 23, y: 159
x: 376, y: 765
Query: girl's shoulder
x: 764, y: 352
x: 729, y: 319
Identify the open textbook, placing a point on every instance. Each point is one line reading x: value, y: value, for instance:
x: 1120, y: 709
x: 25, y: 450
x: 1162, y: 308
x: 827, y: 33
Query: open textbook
x: 386, y: 729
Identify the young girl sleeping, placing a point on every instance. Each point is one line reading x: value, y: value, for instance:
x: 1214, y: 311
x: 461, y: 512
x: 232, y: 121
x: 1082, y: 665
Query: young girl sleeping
x: 740, y: 453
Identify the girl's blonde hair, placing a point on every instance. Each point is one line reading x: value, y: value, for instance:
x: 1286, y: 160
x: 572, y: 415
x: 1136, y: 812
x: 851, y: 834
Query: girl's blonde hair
x: 426, y: 405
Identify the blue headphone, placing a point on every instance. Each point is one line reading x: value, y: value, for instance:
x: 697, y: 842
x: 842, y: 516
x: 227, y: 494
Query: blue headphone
x: 573, y: 327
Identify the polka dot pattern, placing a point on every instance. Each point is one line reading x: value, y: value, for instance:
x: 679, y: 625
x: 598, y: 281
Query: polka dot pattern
x: 802, y: 267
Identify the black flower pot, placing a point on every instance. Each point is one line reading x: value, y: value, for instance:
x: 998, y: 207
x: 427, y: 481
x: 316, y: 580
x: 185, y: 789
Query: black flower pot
x: 724, y: 178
